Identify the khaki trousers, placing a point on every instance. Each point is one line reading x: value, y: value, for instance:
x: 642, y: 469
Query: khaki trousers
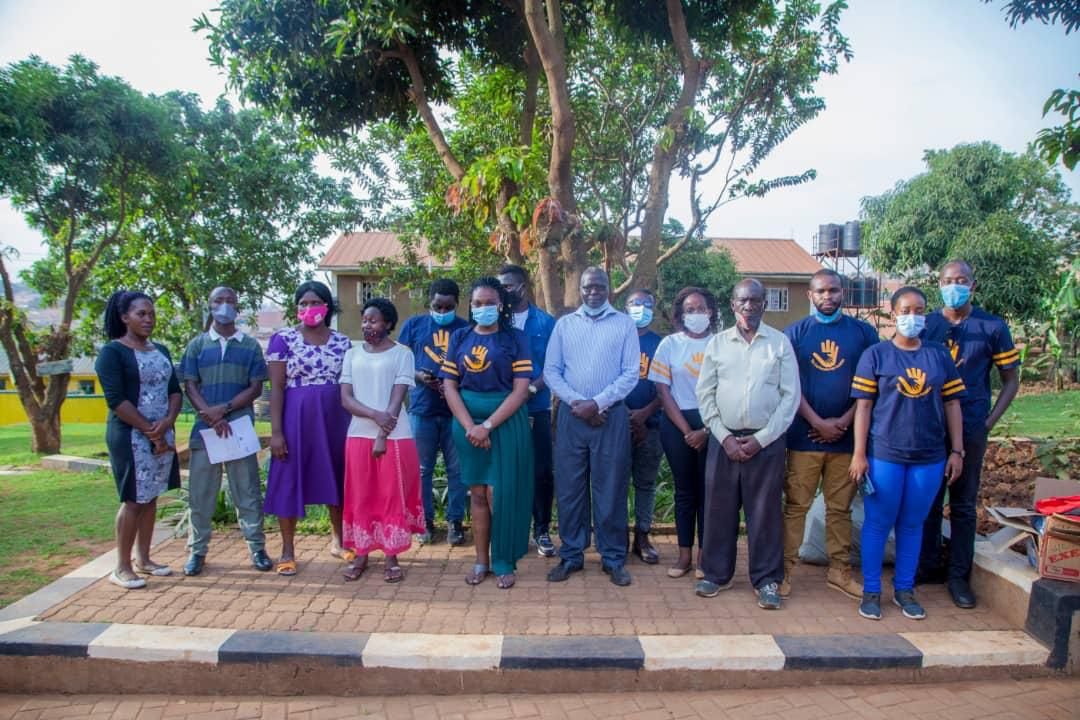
x: 805, y: 472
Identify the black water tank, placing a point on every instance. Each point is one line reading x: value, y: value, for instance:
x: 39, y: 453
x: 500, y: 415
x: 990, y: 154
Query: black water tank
x: 851, y: 243
x: 828, y: 238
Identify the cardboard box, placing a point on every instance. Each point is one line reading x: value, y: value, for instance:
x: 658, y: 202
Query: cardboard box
x: 1059, y: 548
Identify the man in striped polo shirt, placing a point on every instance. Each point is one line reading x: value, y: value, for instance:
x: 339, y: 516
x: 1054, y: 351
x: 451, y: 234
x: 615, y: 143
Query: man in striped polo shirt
x: 223, y: 371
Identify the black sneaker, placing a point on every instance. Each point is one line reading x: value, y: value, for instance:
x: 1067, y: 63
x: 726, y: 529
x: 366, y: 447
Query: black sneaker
x: 961, y: 593
x: 544, y: 546
x: 870, y: 607
x: 455, y: 534
x: 905, y: 599
x: 619, y: 574
x: 562, y: 571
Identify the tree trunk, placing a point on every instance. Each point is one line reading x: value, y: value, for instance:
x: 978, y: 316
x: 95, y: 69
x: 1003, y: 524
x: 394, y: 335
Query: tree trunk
x: 664, y: 152
x: 46, y: 433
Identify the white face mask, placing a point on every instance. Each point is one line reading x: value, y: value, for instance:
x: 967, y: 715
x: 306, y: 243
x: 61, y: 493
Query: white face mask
x: 696, y: 323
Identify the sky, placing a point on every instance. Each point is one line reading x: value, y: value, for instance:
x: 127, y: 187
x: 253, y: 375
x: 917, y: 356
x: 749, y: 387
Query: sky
x: 926, y: 74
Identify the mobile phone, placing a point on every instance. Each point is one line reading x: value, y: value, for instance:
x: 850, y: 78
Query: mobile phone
x: 865, y: 486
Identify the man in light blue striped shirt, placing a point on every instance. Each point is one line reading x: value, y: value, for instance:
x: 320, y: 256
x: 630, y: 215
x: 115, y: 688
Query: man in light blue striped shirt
x: 592, y: 363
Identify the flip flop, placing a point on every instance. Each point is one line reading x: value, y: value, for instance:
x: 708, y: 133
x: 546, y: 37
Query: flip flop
x: 286, y: 567
x: 393, y: 574
x: 506, y: 581
x: 155, y: 570
x: 477, y: 574
x: 353, y: 572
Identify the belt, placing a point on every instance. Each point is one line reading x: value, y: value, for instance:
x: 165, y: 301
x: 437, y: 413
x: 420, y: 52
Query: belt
x: 744, y: 432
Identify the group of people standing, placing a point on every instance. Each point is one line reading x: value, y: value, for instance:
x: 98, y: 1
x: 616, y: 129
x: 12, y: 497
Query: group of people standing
x: 752, y: 421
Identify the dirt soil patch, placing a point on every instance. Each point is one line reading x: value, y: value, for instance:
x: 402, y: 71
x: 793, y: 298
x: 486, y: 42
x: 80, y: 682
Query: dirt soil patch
x: 1008, y: 477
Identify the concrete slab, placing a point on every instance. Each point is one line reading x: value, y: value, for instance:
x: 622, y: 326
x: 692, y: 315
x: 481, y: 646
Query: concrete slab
x: 246, y: 646
x: 419, y: 651
x: 51, y: 639
x: 968, y: 649
x: 159, y: 643
x: 843, y: 652
x: 571, y: 653
x: 712, y: 652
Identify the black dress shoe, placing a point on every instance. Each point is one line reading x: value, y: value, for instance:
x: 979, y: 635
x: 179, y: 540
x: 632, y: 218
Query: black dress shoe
x: 562, y: 571
x: 961, y: 593
x: 194, y: 565
x: 644, y: 549
x: 261, y: 561
x: 619, y: 574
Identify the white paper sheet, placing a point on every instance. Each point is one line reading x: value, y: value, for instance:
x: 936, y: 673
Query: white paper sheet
x: 240, y: 444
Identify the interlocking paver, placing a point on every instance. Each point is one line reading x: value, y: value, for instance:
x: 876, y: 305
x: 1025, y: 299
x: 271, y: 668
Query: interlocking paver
x: 434, y: 598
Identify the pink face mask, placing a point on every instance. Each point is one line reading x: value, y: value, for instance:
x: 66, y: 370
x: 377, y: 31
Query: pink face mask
x: 312, y: 315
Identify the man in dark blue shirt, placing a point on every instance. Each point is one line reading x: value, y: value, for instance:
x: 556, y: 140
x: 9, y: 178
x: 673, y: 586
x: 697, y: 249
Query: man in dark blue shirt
x: 644, y: 406
x: 828, y: 345
x: 537, y: 326
x: 977, y: 342
x: 428, y: 336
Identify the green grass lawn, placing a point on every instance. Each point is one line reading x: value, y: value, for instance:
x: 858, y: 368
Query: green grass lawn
x: 1042, y: 416
x: 52, y: 522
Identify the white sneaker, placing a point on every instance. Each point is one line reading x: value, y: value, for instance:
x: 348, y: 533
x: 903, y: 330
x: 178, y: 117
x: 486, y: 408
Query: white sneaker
x: 132, y: 584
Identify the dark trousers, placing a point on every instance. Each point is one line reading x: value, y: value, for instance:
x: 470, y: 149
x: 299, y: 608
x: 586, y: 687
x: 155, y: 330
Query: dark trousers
x: 688, y: 470
x: 543, y: 482
x: 963, y: 497
x: 592, y: 468
x: 756, y: 487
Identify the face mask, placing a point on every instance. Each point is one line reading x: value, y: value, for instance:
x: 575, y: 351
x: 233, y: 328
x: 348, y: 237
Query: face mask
x: 594, y: 312
x: 374, y: 337
x: 312, y: 315
x: 443, y: 318
x: 486, y: 315
x: 910, y: 325
x: 696, y: 323
x: 823, y: 318
x: 955, y: 295
x: 641, y: 315
x: 225, y: 313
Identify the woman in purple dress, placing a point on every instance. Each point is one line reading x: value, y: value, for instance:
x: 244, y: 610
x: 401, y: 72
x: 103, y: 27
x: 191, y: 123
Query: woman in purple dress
x: 307, y: 422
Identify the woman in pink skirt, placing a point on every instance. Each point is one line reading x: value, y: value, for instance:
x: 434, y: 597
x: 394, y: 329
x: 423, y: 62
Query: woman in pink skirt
x: 382, y: 507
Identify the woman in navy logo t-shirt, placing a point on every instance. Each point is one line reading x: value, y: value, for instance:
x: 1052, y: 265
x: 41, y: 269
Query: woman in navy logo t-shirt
x: 486, y: 373
x: 907, y: 396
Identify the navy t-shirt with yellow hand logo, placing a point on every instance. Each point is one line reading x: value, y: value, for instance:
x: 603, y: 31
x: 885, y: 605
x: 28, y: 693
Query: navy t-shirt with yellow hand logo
x: 828, y: 354
x: 487, y: 363
x: 428, y: 341
x: 909, y: 389
x: 977, y: 343
x: 644, y: 392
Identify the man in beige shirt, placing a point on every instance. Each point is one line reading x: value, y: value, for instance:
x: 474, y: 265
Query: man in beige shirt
x: 748, y: 392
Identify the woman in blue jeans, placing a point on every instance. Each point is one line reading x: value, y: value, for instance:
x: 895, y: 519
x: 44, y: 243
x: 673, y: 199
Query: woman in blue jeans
x: 907, y: 396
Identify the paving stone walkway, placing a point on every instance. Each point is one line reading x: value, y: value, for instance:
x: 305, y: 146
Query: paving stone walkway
x: 434, y: 599
x: 1057, y: 699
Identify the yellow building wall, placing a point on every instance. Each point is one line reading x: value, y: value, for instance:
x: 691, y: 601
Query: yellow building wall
x: 798, y: 303
x: 76, y: 409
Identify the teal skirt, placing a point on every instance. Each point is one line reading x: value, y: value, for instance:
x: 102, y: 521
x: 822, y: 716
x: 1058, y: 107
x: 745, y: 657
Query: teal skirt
x: 508, y: 468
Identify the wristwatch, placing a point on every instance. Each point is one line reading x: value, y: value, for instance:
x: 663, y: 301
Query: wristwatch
x: 961, y: 453
x: 486, y: 425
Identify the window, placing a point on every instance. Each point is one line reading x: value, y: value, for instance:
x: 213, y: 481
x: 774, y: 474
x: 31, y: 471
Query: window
x: 776, y: 299
x: 365, y: 290
x: 3, y: 383
x: 86, y: 387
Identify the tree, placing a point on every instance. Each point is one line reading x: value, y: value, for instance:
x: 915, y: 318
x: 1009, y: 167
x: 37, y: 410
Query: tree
x: 701, y: 265
x: 1010, y: 215
x: 79, y: 156
x: 1062, y: 141
x: 737, y: 79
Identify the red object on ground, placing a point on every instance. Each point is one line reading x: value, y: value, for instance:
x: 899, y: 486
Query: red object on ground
x: 1063, y: 505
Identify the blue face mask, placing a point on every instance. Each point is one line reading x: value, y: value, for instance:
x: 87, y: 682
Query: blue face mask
x: 955, y: 295
x: 823, y: 318
x: 641, y: 315
x: 597, y: 311
x: 443, y: 318
x: 486, y: 315
x: 910, y: 325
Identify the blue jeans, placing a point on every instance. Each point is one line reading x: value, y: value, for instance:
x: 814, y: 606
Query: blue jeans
x: 902, y: 497
x: 432, y: 434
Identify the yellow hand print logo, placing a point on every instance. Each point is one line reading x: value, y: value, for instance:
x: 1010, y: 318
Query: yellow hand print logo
x: 643, y: 367
x: 954, y: 350
x: 917, y: 387
x: 694, y: 366
x: 829, y: 359
x: 441, y: 340
x: 477, y: 361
